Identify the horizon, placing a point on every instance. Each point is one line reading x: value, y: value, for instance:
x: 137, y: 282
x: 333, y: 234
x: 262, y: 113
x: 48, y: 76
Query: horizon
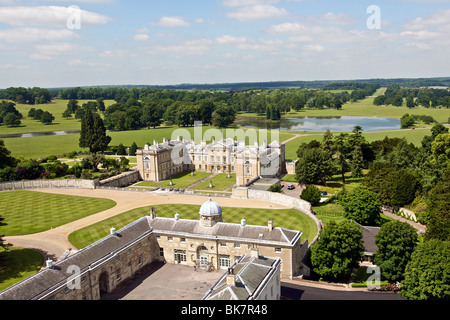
x: 65, y: 43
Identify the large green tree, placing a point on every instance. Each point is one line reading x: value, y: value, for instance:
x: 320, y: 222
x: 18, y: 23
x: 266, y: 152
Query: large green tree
x: 338, y: 250
x: 438, y: 226
x: 427, y: 275
x: 93, y: 133
x: 362, y: 206
x: 396, y: 242
x: 5, y: 157
x: 314, y: 167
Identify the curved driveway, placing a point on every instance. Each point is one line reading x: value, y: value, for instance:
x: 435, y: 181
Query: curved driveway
x: 53, y: 243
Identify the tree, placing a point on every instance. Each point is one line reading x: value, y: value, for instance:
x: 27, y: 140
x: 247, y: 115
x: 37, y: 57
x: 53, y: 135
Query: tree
x: 362, y: 206
x: 311, y: 194
x: 121, y: 150
x: 133, y: 118
x: 206, y: 110
x: 314, y: 167
x: 223, y: 116
x: 11, y: 120
x: 151, y: 115
x: 357, y: 164
x: 93, y: 133
x: 133, y: 149
x: 47, y: 118
x: 72, y: 105
x: 438, y: 226
x: 338, y: 250
x: 407, y: 121
x: 342, y: 150
x: 427, y: 274
x: 2, y: 242
x: 396, y: 242
x: 410, y: 102
x: 67, y: 114
x: 5, y: 157
x: 101, y: 104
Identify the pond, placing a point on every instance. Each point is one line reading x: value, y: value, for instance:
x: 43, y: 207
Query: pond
x: 37, y: 134
x: 321, y: 124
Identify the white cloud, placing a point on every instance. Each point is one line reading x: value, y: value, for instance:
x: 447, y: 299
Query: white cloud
x: 172, y: 22
x: 48, y: 16
x: 47, y: 51
x: 249, y: 44
x: 260, y: 11
x: 36, y: 34
x: 191, y: 47
x: 141, y: 37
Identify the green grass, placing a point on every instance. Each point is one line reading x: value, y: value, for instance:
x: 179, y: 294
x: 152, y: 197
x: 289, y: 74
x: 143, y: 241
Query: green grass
x: 289, y: 218
x: 27, y: 212
x: 220, y: 182
x: 17, y: 264
x: 182, y: 180
x: 57, y: 107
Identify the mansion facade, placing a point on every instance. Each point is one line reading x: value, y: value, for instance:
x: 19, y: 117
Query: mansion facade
x: 162, y: 161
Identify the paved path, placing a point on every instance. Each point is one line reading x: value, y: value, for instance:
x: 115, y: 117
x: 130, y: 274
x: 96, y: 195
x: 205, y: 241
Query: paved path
x: 53, y: 243
x: 420, y: 227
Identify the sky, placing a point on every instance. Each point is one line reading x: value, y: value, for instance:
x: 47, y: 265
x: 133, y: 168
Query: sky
x: 51, y: 43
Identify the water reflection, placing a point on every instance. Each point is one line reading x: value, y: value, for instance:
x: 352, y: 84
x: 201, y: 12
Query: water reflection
x: 321, y: 124
x: 38, y: 134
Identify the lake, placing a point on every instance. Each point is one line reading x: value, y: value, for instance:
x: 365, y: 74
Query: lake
x: 38, y: 134
x: 321, y: 124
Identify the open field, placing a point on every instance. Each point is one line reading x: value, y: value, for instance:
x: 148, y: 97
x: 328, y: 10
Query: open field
x: 27, y: 212
x: 57, y: 107
x: 287, y: 218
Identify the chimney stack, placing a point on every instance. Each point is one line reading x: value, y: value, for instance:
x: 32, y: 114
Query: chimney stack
x: 177, y: 217
x: 243, y: 222
x: 231, y: 281
x: 153, y: 214
x: 112, y: 231
x: 49, y: 263
x: 270, y: 225
x: 254, y: 252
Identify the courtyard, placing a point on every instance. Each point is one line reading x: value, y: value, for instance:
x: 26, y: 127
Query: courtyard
x: 168, y: 282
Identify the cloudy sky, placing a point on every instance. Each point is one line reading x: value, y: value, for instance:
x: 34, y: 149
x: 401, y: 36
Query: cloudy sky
x: 51, y: 43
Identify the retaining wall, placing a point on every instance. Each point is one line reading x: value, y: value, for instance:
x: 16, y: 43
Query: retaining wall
x: 53, y: 183
x: 121, y: 180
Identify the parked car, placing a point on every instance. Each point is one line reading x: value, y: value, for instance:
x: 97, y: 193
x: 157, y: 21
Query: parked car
x: 291, y: 187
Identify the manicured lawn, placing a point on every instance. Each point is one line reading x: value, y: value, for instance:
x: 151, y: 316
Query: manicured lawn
x: 220, y: 182
x: 182, y: 180
x: 27, y: 212
x: 289, y: 219
x: 17, y: 264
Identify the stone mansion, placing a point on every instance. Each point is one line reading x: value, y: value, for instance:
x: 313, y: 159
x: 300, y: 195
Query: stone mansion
x: 204, y: 243
x: 162, y: 161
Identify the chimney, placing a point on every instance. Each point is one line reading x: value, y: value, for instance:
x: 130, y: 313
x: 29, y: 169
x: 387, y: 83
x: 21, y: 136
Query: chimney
x: 112, y: 231
x: 254, y: 252
x: 231, y: 281
x: 243, y: 222
x: 270, y: 225
x: 49, y: 263
x: 177, y: 217
x: 153, y: 214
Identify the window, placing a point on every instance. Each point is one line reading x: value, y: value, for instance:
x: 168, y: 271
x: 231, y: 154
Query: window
x: 157, y: 238
x: 183, y: 240
x: 140, y: 260
x: 224, y: 261
x: 180, y: 256
x: 237, y: 245
x: 278, y: 250
x: 118, y: 276
x: 161, y: 252
x: 139, y: 245
x: 170, y: 238
x: 223, y: 244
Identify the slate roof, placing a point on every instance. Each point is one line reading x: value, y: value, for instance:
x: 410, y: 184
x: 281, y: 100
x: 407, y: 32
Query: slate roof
x: 250, y: 274
x: 369, y: 234
x: 47, y: 280
x: 223, y: 230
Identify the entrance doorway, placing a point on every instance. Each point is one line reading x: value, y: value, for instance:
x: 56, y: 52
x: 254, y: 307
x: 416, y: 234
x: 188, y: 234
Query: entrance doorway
x: 103, y: 283
x: 202, y: 257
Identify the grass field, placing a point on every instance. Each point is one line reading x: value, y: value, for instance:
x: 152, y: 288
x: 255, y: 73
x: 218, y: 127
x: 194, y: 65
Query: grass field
x: 181, y: 181
x: 221, y: 182
x: 27, y: 212
x: 17, y: 265
x: 289, y: 218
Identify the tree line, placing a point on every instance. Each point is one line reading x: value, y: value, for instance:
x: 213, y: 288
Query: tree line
x: 414, y: 97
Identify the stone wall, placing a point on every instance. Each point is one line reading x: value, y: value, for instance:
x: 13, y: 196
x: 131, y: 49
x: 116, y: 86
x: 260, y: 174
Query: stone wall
x: 53, y: 183
x: 121, y: 180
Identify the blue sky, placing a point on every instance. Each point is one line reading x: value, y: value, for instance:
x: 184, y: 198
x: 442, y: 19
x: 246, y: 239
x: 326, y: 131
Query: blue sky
x: 48, y: 43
